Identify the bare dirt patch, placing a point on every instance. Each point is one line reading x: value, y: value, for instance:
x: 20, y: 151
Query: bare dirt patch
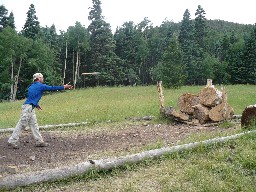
x: 73, y: 146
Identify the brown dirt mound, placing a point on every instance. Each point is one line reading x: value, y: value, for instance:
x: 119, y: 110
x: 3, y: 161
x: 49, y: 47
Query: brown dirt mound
x: 72, y: 146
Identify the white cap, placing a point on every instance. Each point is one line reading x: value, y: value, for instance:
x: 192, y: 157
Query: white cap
x: 37, y: 75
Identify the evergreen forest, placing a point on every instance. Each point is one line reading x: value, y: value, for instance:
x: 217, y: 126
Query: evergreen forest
x: 184, y: 53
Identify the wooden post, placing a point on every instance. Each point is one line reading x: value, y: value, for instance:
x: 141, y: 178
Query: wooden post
x: 209, y: 83
x: 224, y: 100
x: 161, y: 96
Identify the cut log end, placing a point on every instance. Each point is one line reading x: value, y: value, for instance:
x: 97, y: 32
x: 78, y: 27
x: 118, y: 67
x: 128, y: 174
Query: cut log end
x: 221, y: 112
x: 186, y: 102
x: 210, y: 96
x: 249, y: 116
x: 176, y: 115
x: 201, y: 113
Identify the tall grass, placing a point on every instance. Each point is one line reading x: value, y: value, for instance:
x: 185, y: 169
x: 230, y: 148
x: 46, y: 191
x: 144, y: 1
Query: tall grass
x: 113, y: 104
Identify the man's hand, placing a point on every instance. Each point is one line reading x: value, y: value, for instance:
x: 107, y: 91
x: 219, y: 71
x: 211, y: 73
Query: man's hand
x: 67, y: 86
x: 39, y: 107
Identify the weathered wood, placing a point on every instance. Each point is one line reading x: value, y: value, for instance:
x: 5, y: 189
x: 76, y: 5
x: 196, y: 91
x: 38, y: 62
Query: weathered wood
x: 186, y: 103
x: 48, y: 126
x: 225, y: 102
x: 221, y: 112
x: 161, y: 96
x: 201, y: 113
x: 176, y: 115
x: 209, y: 83
x: 93, y: 73
x: 249, y: 116
x: 210, y: 96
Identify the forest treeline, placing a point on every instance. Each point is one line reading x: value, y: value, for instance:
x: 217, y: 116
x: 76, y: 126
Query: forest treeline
x: 184, y: 53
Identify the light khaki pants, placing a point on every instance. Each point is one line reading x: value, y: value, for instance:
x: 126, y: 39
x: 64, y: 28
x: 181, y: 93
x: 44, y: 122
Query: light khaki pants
x: 27, y: 117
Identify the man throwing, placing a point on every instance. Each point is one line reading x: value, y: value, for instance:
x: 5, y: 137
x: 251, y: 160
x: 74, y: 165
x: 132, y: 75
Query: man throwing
x: 28, y: 115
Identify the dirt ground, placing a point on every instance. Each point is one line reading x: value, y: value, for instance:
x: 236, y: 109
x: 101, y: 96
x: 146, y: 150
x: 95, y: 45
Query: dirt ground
x: 69, y: 147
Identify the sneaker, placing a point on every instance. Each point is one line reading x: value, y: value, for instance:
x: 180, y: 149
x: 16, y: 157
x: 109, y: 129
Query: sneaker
x: 43, y: 144
x: 14, y: 145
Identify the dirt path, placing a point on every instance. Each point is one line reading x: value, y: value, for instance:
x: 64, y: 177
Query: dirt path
x: 71, y: 147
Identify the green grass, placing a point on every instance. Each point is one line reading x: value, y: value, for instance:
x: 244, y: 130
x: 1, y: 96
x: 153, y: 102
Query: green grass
x: 212, y: 168
x: 114, y: 104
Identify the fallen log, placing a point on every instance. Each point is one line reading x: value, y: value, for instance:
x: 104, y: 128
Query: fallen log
x: 210, y: 96
x: 176, y: 115
x: 186, y: 103
x: 201, y: 113
x: 48, y: 126
x: 221, y: 112
x: 249, y: 116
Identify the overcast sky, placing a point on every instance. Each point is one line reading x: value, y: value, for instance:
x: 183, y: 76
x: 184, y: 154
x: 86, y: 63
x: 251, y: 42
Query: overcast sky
x: 64, y: 13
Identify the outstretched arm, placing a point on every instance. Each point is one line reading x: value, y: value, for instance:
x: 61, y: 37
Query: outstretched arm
x: 55, y: 88
x: 67, y: 86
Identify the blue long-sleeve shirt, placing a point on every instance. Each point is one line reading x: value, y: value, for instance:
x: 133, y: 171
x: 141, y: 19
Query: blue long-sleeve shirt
x: 36, y: 90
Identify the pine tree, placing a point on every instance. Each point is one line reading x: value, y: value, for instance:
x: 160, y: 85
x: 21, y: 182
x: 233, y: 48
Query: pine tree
x: 3, y: 17
x: 186, y: 41
x: 10, y: 21
x: 171, y: 70
x: 235, y: 59
x: 200, y: 27
x: 125, y: 49
x: 102, y: 57
x: 155, y: 51
x: 225, y: 47
x: 249, y: 59
x: 131, y: 47
x: 31, y: 28
x: 199, y: 70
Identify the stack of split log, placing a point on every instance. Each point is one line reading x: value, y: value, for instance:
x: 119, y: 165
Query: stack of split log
x: 210, y: 105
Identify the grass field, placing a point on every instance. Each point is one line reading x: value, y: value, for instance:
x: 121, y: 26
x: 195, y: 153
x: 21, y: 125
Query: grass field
x: 115, y: 104
x: 221, y: 167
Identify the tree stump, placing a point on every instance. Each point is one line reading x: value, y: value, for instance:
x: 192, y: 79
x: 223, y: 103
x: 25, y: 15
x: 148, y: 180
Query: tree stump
x: 249, y: 116
x: 176, y: 115
x: 186, y: 102
x: 221, y: 112
x: 210, y: 96
x: 201, y: 113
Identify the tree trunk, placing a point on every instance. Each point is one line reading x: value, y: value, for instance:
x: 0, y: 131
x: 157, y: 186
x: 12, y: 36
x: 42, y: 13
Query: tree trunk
x: 186, y: 102
x: 76, y: 69
x: 79, y: 64
x: 65, y: 63
x: 16, y: 81
x: 73, y: 62
x: 12, y: 76
x: 201, y: 113
x: 249, y: 116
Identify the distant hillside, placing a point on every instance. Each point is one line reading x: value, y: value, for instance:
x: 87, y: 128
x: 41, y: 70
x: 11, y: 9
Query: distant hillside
x: 228, y: 27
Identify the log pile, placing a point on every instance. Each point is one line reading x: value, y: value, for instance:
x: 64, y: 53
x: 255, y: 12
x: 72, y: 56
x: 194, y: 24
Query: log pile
x: 210, y: 105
